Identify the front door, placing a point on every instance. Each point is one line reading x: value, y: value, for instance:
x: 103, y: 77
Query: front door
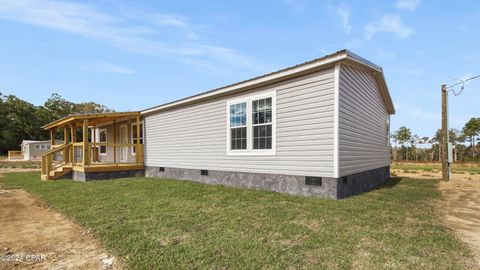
x: 123, y: 139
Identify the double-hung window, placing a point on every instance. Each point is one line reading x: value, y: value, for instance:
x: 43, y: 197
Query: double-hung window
x: 251, y: 125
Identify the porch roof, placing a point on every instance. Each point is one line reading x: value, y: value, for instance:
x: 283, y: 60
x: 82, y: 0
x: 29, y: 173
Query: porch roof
x: 94, y: 118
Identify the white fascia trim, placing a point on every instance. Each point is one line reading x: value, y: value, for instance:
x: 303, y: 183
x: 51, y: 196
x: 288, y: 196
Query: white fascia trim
x: 336, y: 100
x: 251, y: 83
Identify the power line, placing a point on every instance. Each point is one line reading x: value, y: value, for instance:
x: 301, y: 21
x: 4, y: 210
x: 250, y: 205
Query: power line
x: 461, y: 82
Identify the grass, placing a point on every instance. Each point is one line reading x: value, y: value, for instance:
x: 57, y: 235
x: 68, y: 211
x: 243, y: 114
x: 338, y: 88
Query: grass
x: 19, y: 164
x: 152, y: 224
x: 470, y: 168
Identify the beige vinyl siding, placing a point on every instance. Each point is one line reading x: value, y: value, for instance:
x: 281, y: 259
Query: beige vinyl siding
x: 362, y: 123
x: 195, y: 136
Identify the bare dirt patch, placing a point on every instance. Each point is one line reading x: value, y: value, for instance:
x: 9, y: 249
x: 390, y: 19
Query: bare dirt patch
x: 420, y: 174
x: 40, y: 238
x: 461, y: 200
x: 461, y: 204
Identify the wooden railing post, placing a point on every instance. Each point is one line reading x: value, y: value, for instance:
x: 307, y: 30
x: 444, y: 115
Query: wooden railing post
x: 43, y: 165
x: 86, y: 148
x: 114, y: 142
x: 48, y: 165
x: 73, y: 133
x: 66, y: 141
x: 137, y: 147
x: 53, y: 133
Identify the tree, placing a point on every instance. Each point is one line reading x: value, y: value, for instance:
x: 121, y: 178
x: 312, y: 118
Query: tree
x: 91, y: 107
x: 21, y: 120
x: 455, y: 137
x: 414, y: 140
x: 403, y: 135
x: 394, y: 138
x: 471, y: 130
x: 58, y: 107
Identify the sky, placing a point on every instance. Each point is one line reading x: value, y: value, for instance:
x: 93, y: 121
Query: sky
x: 132, y: 55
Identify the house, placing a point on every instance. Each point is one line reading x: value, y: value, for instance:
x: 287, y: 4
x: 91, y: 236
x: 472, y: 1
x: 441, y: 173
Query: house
x: 320, y: 128
x: 30, y: 150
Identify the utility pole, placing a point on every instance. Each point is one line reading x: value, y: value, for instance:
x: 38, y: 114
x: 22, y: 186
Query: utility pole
x: 444, y: 140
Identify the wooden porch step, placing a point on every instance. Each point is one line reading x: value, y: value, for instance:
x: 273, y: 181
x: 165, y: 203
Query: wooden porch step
x: 58, y: 173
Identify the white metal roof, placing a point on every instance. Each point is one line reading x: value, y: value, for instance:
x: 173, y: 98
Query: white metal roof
x: 297, y: 70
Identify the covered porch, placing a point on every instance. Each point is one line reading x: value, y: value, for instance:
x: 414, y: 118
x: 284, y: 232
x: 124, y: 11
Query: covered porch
x: 95, y: 146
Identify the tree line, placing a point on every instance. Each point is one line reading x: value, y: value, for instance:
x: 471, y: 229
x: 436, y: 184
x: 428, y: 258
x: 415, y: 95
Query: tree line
x: 21, y: 120
x: 408, y: 146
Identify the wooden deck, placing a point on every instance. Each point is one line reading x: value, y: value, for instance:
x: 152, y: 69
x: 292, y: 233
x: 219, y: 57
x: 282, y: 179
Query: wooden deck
x: 108, y: 167
x: 82, y: 154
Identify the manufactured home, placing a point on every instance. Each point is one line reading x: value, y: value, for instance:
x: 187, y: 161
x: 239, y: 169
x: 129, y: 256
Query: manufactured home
x: 320, y: 128
x: 31, y: 150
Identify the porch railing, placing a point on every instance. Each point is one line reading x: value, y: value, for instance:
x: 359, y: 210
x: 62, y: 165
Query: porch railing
x: 106, y: 153
x: 73, y: 154
x: 55, y: 159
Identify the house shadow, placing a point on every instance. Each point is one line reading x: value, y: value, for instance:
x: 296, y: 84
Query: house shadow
x: 391, y: 183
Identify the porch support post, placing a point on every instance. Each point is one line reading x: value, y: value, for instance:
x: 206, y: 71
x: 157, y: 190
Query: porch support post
x: 114, y: 143
x: 73, y: 133
x: 66, y: 140
x: 86, y: 148
x: 137, y: 147
x: 53, y: 132
x: 94, y: 149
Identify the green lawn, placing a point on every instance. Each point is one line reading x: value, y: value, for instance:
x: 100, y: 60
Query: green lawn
x: 153, y: 224
x: 20, y: 164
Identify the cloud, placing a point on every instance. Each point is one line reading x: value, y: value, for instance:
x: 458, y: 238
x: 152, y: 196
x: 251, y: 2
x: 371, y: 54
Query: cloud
x: 409, y: 5
x: 167, y: 35
x: 344, y: 11
x: 110, y: 68
x: 389, y: 23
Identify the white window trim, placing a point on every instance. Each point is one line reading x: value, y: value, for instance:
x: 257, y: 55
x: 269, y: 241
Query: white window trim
x: 97, y: 139
x: 37, y: 147
x: 250, y: 151
x: 142, y: 126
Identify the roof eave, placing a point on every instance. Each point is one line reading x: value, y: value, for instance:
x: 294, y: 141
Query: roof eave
x: 255, y: 82
x: 68, y: 119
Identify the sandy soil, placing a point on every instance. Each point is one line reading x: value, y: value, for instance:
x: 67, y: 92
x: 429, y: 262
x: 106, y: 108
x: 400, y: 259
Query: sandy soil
x: 462, y: 209
x: 419, y: 174
x: 40, y: 238
x: 461, y: 204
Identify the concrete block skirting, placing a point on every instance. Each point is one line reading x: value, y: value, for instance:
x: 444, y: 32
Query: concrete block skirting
x: 334, y: 188
x: 89, y: 176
